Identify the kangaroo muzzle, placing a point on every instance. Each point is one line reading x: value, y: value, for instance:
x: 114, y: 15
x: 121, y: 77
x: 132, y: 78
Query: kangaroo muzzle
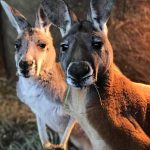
x: 26, y: 67
x: 80, y: 74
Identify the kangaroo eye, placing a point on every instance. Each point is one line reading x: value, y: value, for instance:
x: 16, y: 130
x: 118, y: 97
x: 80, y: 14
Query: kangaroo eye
x: 42, y: 45
x: 64, y: 47
x: 18, y: 44
x: 96, y: 43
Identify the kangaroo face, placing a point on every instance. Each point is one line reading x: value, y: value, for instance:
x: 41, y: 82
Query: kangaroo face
x: 32, y: 51
x: 34, y: 45
x: 84, y: 53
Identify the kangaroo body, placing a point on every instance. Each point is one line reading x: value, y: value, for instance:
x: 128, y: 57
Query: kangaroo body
x: 41, y: 84
x: 120, y: 116
x: 113, y: 111
x: 43, y: 96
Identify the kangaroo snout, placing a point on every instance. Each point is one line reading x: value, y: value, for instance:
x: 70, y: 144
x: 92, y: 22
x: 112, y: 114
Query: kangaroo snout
x: 79, y: 74
x: 26, y: 68
x: 25, y: 65
x: 78, y: 70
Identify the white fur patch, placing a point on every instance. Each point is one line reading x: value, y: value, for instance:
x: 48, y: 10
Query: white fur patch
x: 97, y: 24
x: 68, y: 19
x: 33, y: 95
x: 77, y: 108
x: 94, y: 15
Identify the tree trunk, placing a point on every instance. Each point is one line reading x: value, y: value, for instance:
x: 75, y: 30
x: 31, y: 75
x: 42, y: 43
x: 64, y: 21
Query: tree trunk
x: 2, y: 60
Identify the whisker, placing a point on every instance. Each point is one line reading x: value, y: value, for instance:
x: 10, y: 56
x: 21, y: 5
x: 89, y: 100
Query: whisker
x: 98, y: 93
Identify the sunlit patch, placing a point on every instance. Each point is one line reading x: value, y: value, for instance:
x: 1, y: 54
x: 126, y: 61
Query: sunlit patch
x: 39, y: 66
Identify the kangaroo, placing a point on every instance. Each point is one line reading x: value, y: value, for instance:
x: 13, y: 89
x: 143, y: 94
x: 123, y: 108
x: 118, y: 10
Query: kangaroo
x: 113, y: 111
x: 41, y: 84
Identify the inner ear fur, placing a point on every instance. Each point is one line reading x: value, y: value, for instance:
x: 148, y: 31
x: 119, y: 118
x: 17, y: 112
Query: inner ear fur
x: 59, y: 14
x: 42, y: 20
x: 99, y: 13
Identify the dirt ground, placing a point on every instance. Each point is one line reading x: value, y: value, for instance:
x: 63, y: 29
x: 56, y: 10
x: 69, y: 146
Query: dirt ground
x: 129, y: 33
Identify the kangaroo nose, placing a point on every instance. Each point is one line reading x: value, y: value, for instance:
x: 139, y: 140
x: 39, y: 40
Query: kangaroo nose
x: 25, y: 64
x: 79, y: 70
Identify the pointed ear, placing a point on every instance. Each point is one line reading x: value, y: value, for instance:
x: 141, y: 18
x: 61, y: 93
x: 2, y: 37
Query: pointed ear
x: 17, y: 20
x: 59, y: 14
x: 42, y: 20
x: 99, y: 13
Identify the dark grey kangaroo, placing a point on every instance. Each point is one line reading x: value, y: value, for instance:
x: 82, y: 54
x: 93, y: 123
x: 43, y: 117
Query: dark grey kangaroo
x: 113, y: 111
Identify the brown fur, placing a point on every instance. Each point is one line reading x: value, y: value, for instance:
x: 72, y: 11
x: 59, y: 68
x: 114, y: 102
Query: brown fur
x: 123, y: 119
x: 121, y: 116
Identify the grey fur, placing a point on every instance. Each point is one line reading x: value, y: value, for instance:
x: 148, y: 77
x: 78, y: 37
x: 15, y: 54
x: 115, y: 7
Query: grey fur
x: 99, y: 12
x: 41, y: 19
x: 17, y: 20
x: 58, y: 13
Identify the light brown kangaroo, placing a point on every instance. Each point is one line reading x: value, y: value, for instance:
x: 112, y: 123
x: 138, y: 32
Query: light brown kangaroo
x: 41, y: 83
x: 113, y: 111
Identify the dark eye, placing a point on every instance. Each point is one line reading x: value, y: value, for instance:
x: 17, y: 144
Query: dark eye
x: 64, y: 47
x: 42, y: 45
x: 97, y: 43
x: 17, y: 44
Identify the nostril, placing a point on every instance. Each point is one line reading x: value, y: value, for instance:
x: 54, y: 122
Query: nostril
x: 79, y: 70
x: 25, y: 64
x: 86, y: 69
x: 30, y: 63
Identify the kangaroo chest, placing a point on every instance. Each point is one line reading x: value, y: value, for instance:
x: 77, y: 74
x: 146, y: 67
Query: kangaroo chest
x: 78, y: 110
x: 47, y: 108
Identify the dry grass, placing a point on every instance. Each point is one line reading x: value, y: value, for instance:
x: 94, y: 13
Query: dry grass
x: 19, y: 136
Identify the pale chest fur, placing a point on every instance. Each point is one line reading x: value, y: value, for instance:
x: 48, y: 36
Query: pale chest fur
x: 42, y: 104
x: 77, y: 109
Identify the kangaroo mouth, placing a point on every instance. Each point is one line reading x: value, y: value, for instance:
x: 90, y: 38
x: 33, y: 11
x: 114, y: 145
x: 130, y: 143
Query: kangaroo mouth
x: 27, y: 73
x: 80, y: 82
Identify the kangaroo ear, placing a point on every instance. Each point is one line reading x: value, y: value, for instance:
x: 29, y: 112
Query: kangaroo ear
x: 42, y: 20
x: 17, y: 20
x: 99, y: 13
x: 58, y: 13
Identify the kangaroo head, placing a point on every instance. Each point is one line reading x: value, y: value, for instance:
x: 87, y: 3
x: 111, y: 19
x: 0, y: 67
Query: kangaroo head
x: 34, y: 51
x: 85, y: 52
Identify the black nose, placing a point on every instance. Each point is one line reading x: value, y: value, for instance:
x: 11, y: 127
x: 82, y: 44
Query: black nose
x: 79, y: 70
x: 25, y: 64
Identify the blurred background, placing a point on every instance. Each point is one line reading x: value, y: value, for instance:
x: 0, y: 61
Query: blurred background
x: 129, y: 33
